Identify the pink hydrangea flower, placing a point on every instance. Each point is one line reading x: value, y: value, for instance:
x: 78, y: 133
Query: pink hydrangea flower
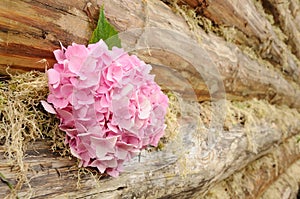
x: 108, y: 104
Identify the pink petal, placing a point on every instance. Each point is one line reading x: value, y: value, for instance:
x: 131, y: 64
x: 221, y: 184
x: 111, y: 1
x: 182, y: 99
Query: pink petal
x: 127, y: 89
x: 113, y: 173
x: 92, y: 79
x: 114, y: 72
x: 57, y: 102
x: 89, y: 64
x: 111, y: 163
x: 97, y: 49
x: 99, y: 165
x: 121, y: 153
x: 66, y: 90
x: 66, y: 116
x: 80, y: 127
x: 104, y: 102
x: 84, y: 97
x: 145, y: 109
x: 71, y: 132
x: 75, y: 64
x: 156, y: 138
x: 116, y: 52
x: 120, y: 108
x: 112, y: 128
x: 49, y: 108
x: 53, y: 76
x: 103, y: 145
x: 76, y: 50
x: 59, y: 56
x: 74, y: 152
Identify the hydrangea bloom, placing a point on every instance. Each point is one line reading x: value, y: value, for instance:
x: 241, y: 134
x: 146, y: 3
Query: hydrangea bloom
x: 108, y: 104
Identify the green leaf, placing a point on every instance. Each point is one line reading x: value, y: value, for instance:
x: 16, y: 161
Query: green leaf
x: 106, y: 32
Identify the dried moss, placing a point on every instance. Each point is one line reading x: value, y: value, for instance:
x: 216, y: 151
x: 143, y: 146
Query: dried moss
x: 172, y: 116
x: 23, y: 120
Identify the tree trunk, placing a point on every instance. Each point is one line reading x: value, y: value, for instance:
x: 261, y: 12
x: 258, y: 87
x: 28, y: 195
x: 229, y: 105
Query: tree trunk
x: 254, y: 47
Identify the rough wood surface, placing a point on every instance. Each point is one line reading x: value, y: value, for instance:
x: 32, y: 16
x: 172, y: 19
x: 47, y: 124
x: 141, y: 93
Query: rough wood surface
x: 25, y: 42
x: 258, y: 32
x: 31, y: 30
x: 182, y: 169
x: 287, y: 185
x: 287, y: 21
x: 257, y: 178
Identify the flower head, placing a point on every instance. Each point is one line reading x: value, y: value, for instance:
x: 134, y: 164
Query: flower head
x: 108, y: 104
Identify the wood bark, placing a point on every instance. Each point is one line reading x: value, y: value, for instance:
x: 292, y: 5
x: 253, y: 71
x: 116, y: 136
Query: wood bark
x: 258, y: 31
x: 31, y: 30
x: 26, y: 42
x: 286, y: 185
x: 180, y: 170
x: 257, y: 178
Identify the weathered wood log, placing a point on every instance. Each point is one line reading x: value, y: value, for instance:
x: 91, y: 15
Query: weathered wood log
x: 287, y: 185
x: 31, y: 30
x: 183, y: 167
x: 26, y: 42
x: 257, y: 31
x: 257, y: 178
x: 285, y: 17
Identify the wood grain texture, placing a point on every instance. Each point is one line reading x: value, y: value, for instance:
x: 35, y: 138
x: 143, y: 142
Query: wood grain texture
x: 257, y: 179
x: 260, y: 35
x: 287, y: 184
x: 285, y: 16
x: 183, y: 168
x: 25, y: 42
x: 31, y: 29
